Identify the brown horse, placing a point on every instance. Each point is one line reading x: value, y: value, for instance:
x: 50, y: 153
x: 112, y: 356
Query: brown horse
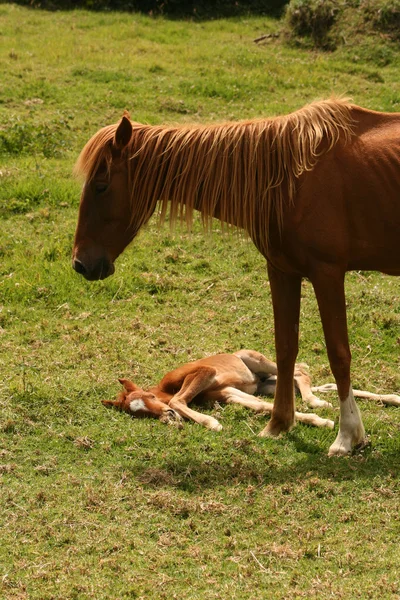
x: 224, y: 378
x: 318, y: 191
x: 227, y: 379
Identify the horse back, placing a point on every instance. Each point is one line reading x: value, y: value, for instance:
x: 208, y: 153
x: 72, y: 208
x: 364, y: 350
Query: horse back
x: 347, y: 209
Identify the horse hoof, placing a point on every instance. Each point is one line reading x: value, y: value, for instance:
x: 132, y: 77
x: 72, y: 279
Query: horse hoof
x: 339, y: 450
x: 344, y: 447
x: 347, y: 441
x: 318, y: 403
x: 267, y: 433
x: 214, y: 425
x: 274, y: 429
x: 171, y: 417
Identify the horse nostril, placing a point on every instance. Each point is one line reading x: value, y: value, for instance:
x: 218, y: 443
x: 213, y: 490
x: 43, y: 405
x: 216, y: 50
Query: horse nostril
x: 79, y: 267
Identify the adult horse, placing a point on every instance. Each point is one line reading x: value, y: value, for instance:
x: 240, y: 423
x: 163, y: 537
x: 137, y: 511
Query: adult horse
x: 318, y: 191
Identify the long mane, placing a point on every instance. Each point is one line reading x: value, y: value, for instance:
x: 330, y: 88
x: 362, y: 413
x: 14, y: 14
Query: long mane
x: 242, y: 173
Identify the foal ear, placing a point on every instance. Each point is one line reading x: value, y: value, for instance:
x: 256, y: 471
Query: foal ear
x: 129, y: 385
x: 109, y: 402
x: 124, y: 132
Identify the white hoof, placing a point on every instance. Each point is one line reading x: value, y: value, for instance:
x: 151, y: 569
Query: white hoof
x: 340, y: 448
x: 391, y: 399
x: 345, y: 442
x: 315, y: 402
x: 214, y: 425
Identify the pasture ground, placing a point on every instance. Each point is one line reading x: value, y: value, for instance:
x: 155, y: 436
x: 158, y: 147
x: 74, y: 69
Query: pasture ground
x: 94, y: 504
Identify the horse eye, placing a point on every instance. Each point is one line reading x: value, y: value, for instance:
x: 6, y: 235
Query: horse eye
x: 101, y: 187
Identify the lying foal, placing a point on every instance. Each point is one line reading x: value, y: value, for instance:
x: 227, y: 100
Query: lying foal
x: 224, y: 378
x: 229, y: 379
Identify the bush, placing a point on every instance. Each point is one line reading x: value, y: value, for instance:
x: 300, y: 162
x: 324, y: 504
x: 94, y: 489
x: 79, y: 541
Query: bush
x: 312, y: 18
x: 384, y: 16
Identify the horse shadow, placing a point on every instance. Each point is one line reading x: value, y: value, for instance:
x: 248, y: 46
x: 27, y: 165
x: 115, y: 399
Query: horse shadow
x: 257, y: 465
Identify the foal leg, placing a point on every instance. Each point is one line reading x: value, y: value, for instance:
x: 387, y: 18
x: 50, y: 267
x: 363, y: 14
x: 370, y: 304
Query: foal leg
x: 303, y: 382
x: 194, y: 384
x: 234, y: 396
x: 184, y: 411
x: 285, y: 290
x: 263, y: 367
x: 390, y: 399
x: 266, y: 370
x: 329, y: 289
x: 257, y: 363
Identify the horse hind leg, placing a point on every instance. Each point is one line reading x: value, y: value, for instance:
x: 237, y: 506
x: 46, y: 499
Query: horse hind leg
x: 285, y: 291
x: 266, y: 370
x: 257, y: 363
x: 351, y: 429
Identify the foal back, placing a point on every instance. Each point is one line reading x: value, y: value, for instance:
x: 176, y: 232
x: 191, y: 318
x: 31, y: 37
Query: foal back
x: 244, y: 370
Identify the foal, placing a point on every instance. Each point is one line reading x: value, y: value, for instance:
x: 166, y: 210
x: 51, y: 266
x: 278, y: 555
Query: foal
x: 229, y: 379
x: 224, y: 378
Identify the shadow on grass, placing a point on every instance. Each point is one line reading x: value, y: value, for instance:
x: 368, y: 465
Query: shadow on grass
x: 270, y: 464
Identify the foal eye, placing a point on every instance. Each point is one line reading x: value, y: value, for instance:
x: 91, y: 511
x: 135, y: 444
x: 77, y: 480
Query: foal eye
x: 101, y: 187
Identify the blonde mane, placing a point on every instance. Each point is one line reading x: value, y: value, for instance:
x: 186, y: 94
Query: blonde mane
x: 242, y: 173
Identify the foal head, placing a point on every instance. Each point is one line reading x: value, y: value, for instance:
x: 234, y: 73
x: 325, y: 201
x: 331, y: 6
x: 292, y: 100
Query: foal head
x: 133, y: 400
x: 139, y: 403
x: 104, y: 224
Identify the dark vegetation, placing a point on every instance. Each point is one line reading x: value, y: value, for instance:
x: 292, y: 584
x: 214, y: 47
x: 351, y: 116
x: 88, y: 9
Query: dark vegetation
x: 322, y: 23
x: 172, y: 8
x: 328, y: 23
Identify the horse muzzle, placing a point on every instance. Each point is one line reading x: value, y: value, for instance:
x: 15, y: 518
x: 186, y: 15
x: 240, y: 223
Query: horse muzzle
x: 101, y: 269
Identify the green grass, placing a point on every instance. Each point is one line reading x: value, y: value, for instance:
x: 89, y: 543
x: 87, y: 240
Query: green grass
x: 94, y: 504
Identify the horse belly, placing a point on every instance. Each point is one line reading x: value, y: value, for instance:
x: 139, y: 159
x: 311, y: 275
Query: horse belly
x: 232, y: 372
x: 245, y: 382
x: 373, y: 190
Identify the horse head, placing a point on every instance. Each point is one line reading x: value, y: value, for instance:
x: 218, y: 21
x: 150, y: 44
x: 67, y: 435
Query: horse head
x: 104, y: 226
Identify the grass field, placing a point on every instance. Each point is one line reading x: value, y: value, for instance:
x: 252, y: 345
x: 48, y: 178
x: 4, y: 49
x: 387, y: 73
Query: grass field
x: 94, y: 504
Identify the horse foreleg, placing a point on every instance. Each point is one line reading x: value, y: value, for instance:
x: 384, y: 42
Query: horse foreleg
x: 194, y: 415
x: 329, y: 289
x: 193, y: 384
x: 285, y: 291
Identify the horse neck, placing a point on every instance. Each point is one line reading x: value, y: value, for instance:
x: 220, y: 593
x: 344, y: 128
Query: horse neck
x: 208, y: 169
x: 241, y: 173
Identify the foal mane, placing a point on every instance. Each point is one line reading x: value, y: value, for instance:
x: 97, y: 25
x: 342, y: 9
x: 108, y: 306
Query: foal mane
x: 242, y: 173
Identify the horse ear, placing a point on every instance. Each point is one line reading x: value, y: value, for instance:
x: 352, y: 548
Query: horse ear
x: 124, y: 132
x: 129, y: 385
